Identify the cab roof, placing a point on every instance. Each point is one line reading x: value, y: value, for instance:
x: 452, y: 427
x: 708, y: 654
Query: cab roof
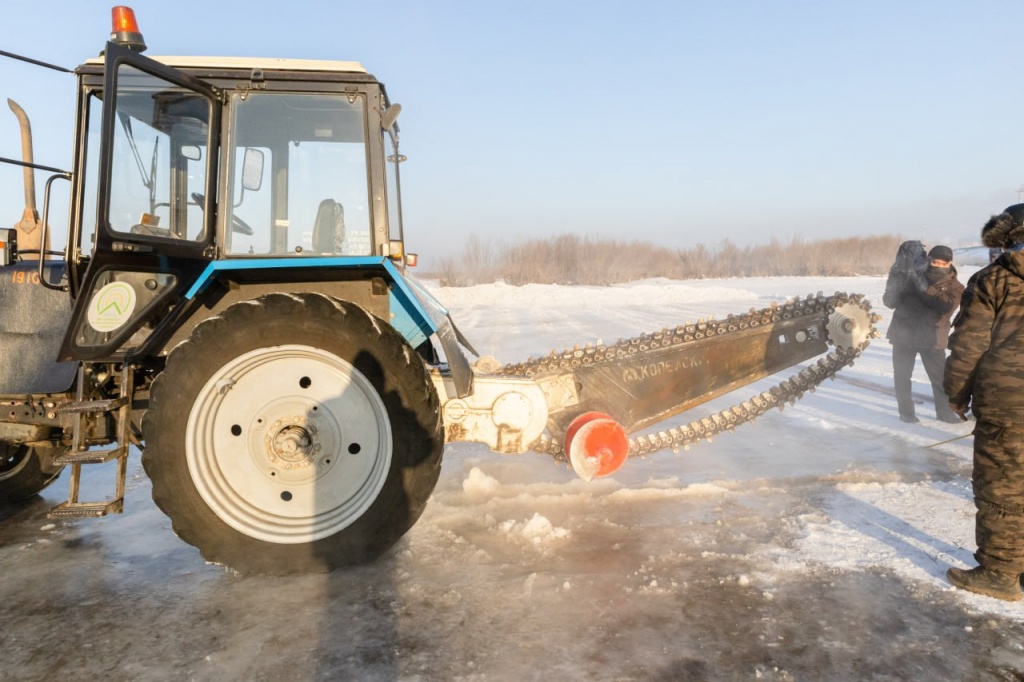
x: 249, y: 63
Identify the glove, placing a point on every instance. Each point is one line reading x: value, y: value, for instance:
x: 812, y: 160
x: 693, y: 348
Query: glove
x: 961, y: 410
x: 916, y: 282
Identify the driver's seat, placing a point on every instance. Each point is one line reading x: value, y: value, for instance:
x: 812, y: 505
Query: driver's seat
x: 329, y: 228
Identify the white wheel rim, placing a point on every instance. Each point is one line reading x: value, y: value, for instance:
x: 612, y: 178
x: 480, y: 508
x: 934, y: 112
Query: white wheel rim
x: 288, y: 444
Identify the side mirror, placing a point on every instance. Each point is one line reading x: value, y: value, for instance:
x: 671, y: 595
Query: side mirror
x: 192, y: 152
x: 252, y: 169
x: 9, y: 246
x: 390, y: 115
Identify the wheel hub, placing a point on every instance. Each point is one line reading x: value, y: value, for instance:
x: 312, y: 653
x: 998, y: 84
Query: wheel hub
x: 292, y: 444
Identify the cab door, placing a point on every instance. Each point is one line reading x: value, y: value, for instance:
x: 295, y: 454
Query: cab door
x: 155, y: 204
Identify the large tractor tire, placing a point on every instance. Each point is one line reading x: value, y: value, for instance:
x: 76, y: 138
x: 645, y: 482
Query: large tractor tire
x: 25, y: 470
x: 293, y: 433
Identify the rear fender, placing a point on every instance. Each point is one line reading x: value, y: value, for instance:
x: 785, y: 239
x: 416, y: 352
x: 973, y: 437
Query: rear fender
x: 414, y: 312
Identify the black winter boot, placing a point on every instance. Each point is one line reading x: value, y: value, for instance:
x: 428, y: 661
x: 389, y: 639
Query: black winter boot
x: 1005, y: 586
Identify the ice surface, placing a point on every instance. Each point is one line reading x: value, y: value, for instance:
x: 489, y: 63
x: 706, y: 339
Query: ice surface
x: 811, y: 544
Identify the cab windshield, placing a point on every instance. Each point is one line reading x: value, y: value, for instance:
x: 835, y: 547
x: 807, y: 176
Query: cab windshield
x: 298, y: 175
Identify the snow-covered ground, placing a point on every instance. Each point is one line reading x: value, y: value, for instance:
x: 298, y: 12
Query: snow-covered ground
x: 810, y: 544
x: 888, y: 496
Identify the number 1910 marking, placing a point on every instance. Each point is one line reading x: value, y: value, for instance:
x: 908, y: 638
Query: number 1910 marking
x: 24, y: 277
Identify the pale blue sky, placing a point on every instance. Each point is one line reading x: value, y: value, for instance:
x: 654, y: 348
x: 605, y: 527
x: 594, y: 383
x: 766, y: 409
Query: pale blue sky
x: 673, y: 122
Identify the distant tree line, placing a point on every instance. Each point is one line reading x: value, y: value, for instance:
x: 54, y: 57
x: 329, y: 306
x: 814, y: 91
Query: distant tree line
x: 579, y: 260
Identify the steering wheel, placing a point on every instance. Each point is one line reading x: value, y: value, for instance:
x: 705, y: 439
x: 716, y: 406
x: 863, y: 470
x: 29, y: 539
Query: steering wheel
x: 237, y: 224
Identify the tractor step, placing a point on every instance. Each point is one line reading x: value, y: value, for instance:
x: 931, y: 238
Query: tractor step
x: 83, y: 510
x: 79, y: 453
x: 92, y: 406
x: 91, y: 456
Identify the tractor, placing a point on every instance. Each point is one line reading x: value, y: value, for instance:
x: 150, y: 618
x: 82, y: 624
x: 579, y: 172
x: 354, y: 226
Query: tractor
x: 235, y: 300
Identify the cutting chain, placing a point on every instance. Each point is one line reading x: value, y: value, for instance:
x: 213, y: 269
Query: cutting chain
x: 706, y: 428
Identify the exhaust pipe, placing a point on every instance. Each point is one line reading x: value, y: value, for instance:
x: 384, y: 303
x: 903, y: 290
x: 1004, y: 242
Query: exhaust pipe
x: 29, y: 231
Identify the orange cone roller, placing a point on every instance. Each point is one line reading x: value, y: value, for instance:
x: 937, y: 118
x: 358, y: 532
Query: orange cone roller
x: 597, y: 445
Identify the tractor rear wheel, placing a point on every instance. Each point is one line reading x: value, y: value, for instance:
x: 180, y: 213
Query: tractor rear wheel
x: 292, y: 433
x: 25, y: 470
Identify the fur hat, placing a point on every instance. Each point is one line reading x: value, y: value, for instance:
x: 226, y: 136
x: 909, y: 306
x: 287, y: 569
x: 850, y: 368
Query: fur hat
x: 1005, y: 230
x: 941, y: 252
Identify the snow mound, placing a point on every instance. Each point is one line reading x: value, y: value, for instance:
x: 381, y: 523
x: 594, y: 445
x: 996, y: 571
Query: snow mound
x: 537, y: 530
x: 479, y: 483
x: 661, y: 493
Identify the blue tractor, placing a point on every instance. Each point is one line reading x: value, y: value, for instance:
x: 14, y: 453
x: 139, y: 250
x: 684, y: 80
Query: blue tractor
x: 234, y: 300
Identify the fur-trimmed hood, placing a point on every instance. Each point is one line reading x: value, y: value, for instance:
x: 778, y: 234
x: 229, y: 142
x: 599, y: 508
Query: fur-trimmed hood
x: 1005, y: 230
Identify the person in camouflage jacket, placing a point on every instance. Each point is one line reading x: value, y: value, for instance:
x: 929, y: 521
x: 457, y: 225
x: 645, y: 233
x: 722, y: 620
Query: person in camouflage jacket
x: 985, y: 373
x: 924, y: 291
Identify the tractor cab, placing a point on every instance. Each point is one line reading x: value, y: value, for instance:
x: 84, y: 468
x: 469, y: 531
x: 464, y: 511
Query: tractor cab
x: 285, y: 165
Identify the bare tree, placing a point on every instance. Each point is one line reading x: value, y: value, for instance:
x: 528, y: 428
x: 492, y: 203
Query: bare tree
x: 572, y: 259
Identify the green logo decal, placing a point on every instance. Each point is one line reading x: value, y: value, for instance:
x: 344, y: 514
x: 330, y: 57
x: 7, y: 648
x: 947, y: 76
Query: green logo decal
x: 111, y: 307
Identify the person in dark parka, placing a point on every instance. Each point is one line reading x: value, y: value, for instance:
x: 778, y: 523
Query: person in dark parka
x: 985, y: 373
x: 923, y: 291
